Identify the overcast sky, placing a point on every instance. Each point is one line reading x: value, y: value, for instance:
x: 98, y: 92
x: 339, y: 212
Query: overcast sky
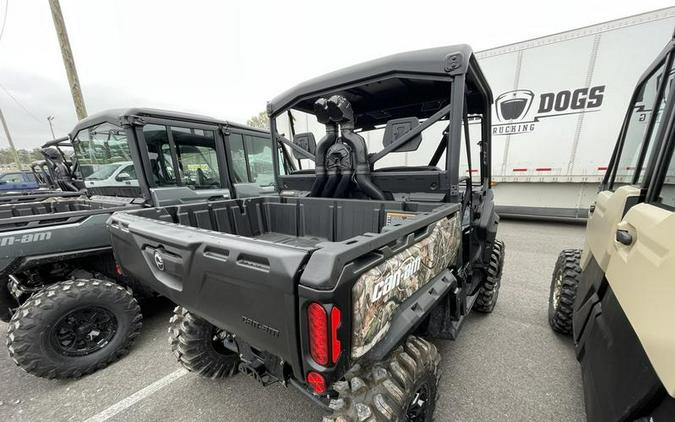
x: 227, y: 58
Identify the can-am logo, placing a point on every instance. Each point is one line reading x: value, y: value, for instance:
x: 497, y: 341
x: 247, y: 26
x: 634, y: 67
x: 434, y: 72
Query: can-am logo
x: 513, y: 107
x: 406, y: 271
x: 159, y: 260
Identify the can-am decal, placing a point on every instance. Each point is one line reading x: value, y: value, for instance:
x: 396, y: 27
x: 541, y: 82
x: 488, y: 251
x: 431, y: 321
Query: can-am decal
x: 379, y: 292
x: 516, y: 114
x: 408, y: 269
x: 25, y: 238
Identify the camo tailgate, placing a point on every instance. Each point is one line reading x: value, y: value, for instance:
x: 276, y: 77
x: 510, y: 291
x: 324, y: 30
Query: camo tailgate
x: 377, y: 294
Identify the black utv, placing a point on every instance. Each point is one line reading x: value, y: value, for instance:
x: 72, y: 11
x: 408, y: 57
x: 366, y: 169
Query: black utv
x: 337, y: 284
x: 70, y: 308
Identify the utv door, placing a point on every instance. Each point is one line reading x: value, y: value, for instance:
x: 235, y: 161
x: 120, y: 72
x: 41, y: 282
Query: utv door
x: 252, y: 164
x: 624, y: 313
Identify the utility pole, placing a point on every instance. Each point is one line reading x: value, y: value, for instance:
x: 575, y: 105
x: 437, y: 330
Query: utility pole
x: 68, y: 60
x: 51, y: 127
x: 9, y: 140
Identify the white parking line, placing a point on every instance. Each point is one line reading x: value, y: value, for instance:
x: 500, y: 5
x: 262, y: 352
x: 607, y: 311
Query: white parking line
x: 137, y: 396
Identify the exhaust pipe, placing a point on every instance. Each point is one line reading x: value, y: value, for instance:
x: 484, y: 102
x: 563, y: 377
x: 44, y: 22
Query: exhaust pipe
x: 320, y: 158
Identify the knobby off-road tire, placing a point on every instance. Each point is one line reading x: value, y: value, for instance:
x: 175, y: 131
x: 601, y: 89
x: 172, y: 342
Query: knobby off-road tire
x: 489, y: 291
x: 197, y: 347
x: 73, y: 328
x: 401, y: 388
x: 564, y: 281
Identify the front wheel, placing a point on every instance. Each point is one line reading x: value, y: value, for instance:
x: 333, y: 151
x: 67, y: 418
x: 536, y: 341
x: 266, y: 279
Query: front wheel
x: 73, y: 328
x: 401, y: 388
x: 564, y: 281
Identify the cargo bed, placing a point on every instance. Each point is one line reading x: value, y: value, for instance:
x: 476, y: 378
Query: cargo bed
x: 54, y: 230
x: 54, y: 211
x: 249, y: 265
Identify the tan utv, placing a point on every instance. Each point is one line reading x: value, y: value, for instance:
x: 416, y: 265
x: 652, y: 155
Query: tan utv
x: 617, y: 296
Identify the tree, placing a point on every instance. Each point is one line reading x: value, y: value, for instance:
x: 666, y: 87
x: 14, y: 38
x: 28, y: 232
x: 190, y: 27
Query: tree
x: 26, y: 156
x: 260, y: 120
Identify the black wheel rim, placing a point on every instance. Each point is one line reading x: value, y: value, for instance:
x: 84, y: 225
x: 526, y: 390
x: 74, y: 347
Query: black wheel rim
x: 419, y: 405
x: 217, y: 343
x: 84, y: 331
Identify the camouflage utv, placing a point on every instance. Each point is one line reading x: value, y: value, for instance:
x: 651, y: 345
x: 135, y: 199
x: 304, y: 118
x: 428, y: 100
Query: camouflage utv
x: 337, y: 284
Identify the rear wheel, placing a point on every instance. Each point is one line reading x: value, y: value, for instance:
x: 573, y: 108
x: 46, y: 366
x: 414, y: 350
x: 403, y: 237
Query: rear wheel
x: 401, y: 388
x: 73, y: 328
x: 489, y: 291
x: 564, y: 282
x: 199, y: 347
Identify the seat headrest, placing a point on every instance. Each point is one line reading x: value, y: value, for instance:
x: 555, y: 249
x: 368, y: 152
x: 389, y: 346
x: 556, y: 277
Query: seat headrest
x: 396, y: 128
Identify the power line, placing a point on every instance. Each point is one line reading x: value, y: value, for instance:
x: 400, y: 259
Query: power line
x: 25, y: 109
x: 20, y: 105
x: 4, y: 19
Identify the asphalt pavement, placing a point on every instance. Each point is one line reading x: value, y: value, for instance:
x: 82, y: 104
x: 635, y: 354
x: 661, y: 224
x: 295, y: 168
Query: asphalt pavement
x: 506, y: 366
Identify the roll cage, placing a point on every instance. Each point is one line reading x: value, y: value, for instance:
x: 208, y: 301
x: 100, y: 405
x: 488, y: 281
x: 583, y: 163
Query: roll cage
x: 141, y: 146
x: 433, y: 85
x: 655, y: 166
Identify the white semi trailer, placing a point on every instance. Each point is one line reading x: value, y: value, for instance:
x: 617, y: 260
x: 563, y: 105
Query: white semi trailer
x: 559, y: 104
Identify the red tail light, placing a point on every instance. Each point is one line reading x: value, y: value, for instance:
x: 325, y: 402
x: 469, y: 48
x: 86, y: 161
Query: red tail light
x: 336, y: 345
x: 318, y: 334
x: 317, y: 382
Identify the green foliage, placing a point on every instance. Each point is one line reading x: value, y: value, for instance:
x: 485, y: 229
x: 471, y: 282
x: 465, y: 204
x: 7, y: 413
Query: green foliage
x: 26, y: 156
x: 260, y: 120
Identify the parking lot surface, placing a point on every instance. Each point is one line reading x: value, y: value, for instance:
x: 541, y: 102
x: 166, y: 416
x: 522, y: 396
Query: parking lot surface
x: 507, y: 366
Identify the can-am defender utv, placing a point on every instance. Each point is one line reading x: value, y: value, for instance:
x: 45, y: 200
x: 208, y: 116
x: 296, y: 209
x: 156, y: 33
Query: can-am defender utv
x: 335, y: 291
x: 70, y: 308
x: 617, y: 296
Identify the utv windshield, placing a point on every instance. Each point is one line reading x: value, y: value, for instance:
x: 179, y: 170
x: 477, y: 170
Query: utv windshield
x: 100, y: 150
x: 104, y: 172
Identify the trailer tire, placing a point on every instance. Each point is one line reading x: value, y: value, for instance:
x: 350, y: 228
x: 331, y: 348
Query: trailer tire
x: 489, y: 291
x: 564, y: 281
x: 192, y: 342
x: 404, y: 384
x: 73, y: 328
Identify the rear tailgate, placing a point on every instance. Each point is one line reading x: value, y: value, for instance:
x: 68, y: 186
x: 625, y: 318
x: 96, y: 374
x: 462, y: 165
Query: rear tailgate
x: 242, y: 285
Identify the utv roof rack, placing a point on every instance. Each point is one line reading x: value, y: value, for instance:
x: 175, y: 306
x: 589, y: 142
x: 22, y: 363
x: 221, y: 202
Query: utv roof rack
x: 118, y: 115
x: 416, y: 77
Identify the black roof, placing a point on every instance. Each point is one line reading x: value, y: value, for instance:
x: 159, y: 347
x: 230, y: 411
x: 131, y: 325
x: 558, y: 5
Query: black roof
x: 118, y: 115
x: 412, y: 80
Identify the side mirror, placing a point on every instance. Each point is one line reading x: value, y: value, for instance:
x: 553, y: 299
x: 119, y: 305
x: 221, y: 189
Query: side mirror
x: 305, y: 141
x: 123, y: 177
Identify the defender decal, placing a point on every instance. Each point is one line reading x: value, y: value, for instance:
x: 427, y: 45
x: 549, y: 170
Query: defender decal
x: 25, y: 238
x: 377, y: 294
x: 260, y: 326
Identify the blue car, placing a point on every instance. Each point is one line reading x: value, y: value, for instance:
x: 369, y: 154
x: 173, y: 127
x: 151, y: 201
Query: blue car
x: 18, y: 181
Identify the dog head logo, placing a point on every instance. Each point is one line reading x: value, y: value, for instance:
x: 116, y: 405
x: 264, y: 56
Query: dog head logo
x: 514, y: 105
